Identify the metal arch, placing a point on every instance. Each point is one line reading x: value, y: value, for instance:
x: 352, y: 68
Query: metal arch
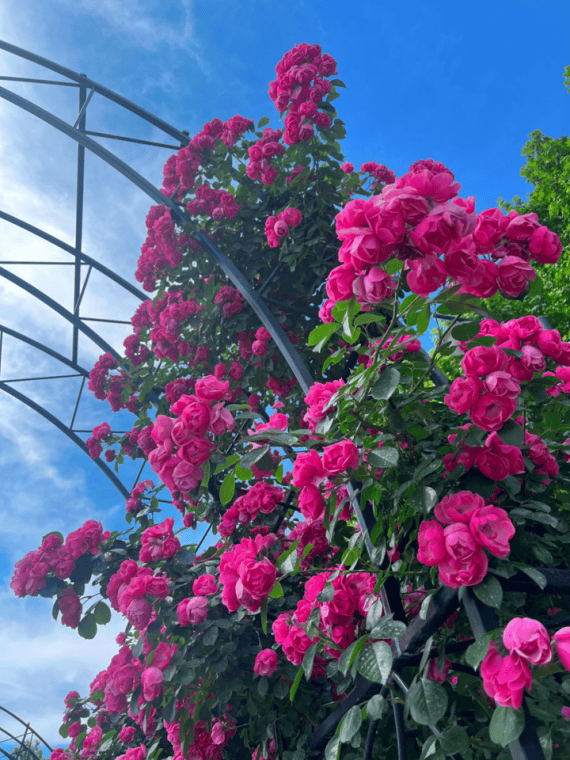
x: 21, y: 740
x: 243, y: 285
x: 67, y: 430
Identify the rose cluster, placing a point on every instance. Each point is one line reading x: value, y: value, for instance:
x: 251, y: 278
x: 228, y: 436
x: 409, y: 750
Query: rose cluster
x: 159, y: 542
x: 100, y: 433
x: 230, y: 299
x: 162, y: 248
x: 247, y: 580
x: 339, y: 620
x: 54, y: 556
x: 527, y: 642
x: 207, y: 744
x: 262, y: 498
x: 183, y: 445
x: 457, y: 549
x: 278, y: 227
x: 420, y: 220
x: 128, y: 591
x: 300, y: 88
x: 134, y: 503
x: 216, y: 204
x: 492, y: 379
x: 260, y: 155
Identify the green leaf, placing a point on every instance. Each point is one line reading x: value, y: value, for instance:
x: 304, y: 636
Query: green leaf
x: 332, y: 750
x: 350, y: 653
x: 286, y: 554
x: 506, y: 725
x: 375, y: 707
x: 263, y: 122
x: 87, y: 627
x: 423, y: 320
x: 264, y: 615
x: 277, y: 591
x: 477, y: 651
x: 427, y: 701
x: 384, y: 388
x: 490, y: 592
x: 309, y: 659
x: 374, y: 614
x: 368, y: 318
x: 350, y: 725
x: 388, y: 629
x: 296, y: 683
x: 228, y: 487
x: 253, y: 456
x: 321, y: 335
x: 206, y: 477
x: 511, y: 433
x: 454, y: 739
x: 375, y: 662
x: 102, y: 613
x: 262, y: 686
x: 383, y: 457
x: 423, y: 500
x: 393, y: 265
x: 465, y: 331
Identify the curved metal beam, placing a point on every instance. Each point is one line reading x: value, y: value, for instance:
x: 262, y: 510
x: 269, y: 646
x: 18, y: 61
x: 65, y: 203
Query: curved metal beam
x: 75, y: 321
x: 99, y: 88
x: 26, y: 725
x: 70, y: 249
x: 266, y: 317
x: 66, y: 431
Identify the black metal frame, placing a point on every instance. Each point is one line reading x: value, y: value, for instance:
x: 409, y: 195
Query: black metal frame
x: 21, y: 740
x: 482, y: 619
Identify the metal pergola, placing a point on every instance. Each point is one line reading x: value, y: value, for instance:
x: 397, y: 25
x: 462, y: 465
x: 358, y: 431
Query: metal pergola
x: 482, y: 618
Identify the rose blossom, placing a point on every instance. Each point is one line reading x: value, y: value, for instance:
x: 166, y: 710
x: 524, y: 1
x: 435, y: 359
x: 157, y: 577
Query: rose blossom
x: 463, y: 394
x: 151, y: 680
x: 529, y: 639
x: 514, y: 274
x: 562, y: 640
x: 192, y: 611
x: 265, y: 662
x: 490, y: 412
x: 70, y: 606
x: 491, y: 527
x: 458, y: 507
x: 339, y: 457
x: 205, y: 585
x: 505, y: 678
x: 209, y: 388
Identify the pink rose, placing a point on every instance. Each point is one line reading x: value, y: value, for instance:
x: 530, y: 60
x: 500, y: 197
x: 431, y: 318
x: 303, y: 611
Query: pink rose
x: 463, y: 394
x: 514, y: 274
x: 195, y: 416
x: 209, y: 388
x: 70, y: 607
x: 186, y: 476
x: 281, y: 228
x: 505, y: 678
x: 127, y: 734
x: 483, y: 360
x: 192, y: 611
x: 458, y: 507
x: 562, y: 640
x: 492, y: 527
x: 138, y: 613
x: 502, y: 384
x: 545, y: 246
x: 258, y: 578
x: 307, y: 469
x: 425, y: 275
x: 151, y: 680
x: 311, y: 502
x: 374, y: 287
x: 529, y: 639
x: 339, y: 457
x: 265, y: 662
x: 491, y: 412
x: 431, y: 542
x: 433, y: 673
x: 521, y: 228
x: 496, y: 460
x: 339, y: 283
x: 205, y: 585
x: 292, y: 216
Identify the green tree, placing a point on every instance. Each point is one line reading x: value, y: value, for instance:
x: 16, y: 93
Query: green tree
x: 31, y: 749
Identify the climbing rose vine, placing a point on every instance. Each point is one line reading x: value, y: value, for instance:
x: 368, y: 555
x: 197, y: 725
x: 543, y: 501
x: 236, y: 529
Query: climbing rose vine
x: 334, y: 518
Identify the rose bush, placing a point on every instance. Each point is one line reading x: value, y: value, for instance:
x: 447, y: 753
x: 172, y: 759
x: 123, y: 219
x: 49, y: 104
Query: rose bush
x: 328, y: 507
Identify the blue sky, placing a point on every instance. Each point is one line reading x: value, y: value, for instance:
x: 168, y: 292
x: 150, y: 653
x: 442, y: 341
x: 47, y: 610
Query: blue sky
x: 464, y: 85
